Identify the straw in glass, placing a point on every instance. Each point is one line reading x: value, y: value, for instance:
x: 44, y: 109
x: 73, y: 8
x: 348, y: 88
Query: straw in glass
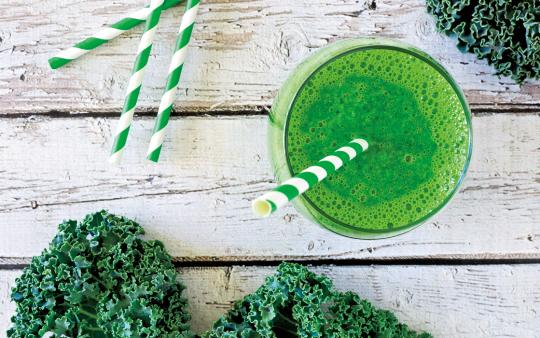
x: 135, y: 82
x: 307, y: 179
x: 105, y: 35
x: 175, y: 71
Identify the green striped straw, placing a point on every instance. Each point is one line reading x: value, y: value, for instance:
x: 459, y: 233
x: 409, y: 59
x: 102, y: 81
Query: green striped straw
x: 135, y: 82
x: 175, y: 70
x: 307, y: 179
x: 105, y: 35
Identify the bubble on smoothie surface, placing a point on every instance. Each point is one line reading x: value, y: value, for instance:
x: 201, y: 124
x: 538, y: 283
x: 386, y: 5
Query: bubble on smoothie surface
x: 413, y: 120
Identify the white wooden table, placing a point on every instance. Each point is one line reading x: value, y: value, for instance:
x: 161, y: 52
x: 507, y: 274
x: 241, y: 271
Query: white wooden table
x: 473, y: 271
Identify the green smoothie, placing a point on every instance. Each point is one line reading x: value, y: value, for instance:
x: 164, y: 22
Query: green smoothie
x: 417, y: 125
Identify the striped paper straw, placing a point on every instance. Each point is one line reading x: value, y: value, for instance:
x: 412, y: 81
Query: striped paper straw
x: 175, y: 70
x: 293, y: 187
x: 105, y: 35
x: 135, y: 82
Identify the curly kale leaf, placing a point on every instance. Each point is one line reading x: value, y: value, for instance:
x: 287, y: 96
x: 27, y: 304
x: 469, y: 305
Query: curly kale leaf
x: 504, y: 32
x: 98, y: 278
x: 296, y: 302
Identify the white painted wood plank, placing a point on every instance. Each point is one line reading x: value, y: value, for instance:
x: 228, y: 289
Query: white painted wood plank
x: 448, y: 301
x: 197, y: 200
x: 240, y: 54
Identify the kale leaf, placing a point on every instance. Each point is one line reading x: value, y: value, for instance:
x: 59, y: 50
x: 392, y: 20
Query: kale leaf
x: 504, y: 32
x: 98, y: 278
x: 296, y: 302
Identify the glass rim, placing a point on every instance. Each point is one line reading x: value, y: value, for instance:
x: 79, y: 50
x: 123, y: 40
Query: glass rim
x: 350, y: 230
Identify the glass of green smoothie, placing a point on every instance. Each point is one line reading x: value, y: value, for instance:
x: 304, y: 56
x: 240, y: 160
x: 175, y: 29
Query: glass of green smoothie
x: 409, y: 109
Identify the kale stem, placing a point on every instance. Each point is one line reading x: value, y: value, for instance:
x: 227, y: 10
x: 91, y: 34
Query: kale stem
x: 81, y: 332
x: 286, y: 324
x: 88, y: 314
x: 281, y: 316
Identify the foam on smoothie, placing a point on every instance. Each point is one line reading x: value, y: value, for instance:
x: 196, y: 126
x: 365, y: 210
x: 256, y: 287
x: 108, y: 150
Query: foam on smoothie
x: 413, y: 120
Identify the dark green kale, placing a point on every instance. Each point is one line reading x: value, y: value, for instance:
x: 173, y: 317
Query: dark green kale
x: 98, y: 278
x: 296, y: 302
x: 504, y: 32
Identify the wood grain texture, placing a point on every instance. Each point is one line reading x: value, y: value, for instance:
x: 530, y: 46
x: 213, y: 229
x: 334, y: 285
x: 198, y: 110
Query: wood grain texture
x: 463, y: 301
x: 240, y: 54
x: 197, y: 200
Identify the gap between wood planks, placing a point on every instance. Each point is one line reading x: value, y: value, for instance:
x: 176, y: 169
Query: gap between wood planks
x: 477, y: 110
x: 20, y: 262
